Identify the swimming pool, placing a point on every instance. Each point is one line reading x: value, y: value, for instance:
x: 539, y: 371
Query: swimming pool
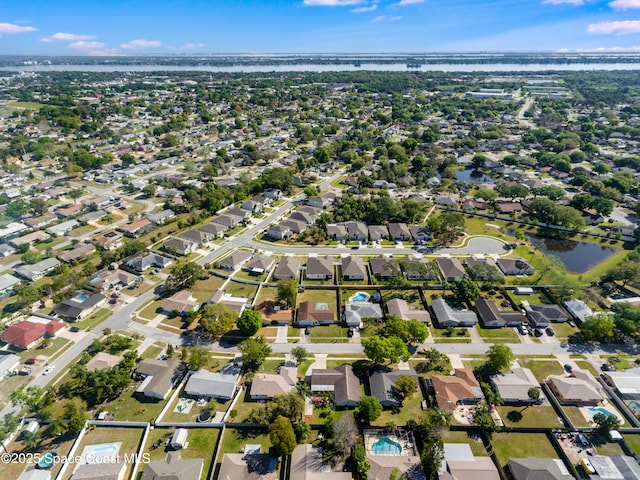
x: 47, y: 460
x: 386, y: 446
x: 635, y: 406
x: 595, y: 410
x: 81, y: 297
x: 360, y: 297
x: 100, y: 453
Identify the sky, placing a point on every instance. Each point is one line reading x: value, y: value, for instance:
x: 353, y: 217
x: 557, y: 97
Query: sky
x: 134, y: 27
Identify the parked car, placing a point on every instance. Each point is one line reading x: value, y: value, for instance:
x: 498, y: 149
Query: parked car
x: 48, y: 370
x: 522, y: 329
x: 607, y: 367
x: 538, y: 332
x: 74, y: 329
x: 568, y: 368
x: 30, y: 361
x: 550, y: 331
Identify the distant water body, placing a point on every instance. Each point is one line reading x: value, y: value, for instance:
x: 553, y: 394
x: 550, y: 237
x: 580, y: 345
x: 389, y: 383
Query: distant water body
x: 380, y: 67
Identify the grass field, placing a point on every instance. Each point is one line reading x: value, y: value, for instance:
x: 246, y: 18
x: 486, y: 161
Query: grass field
x: 533, y: 416
x: 521, y: 445
x: 410, y: 410
x: 542, y: 368
x: 474, y: 442
x: 498, y: 335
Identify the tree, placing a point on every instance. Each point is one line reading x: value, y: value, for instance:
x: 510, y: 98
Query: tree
x: 406, y: 386
x: 432, y: 456
x: 466, y: 290
x: 149, y: 190
x: 302, y: 430
x: 217, y: 318
x: 287, y: 290
x: 606, y: 423
x: 446, y: 227
x: 250, y: 322
x: 282, y: 436
x: 417, y: 331
x: 520, y: 235
x: 360, y: 459
x: 75, y: 411
x: 499, y: 357
x: 598, y: 327
x: 482, y: 418
x: 299, y: 353
x: 368, y: 409
x: 345, y: 433
x: 379, y: 349
x: 38, y: 206
x: 184, y: 275
x: 254, y: 352
x: 534, y: 394
x: 198, y: 357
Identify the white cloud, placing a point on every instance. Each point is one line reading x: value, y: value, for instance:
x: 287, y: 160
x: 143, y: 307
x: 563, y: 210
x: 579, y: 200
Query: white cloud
x: 560, y: 2
x: 625, y: 4
x: 13, y: 28
x: 331, y: 3
x: 188, y: 46
x: 384, y: 18
x: 66, y: 37
x: 403, y: 3
x: 140, y: 44
x: 82, y: 45
x: 108, y: 52
x: 370, y: 8
x: 623, y: 27
x: 601, y: 50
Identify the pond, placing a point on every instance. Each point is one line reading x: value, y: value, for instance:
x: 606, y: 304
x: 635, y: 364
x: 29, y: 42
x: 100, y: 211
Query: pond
x: 578, y: 257
x: 473, y: 176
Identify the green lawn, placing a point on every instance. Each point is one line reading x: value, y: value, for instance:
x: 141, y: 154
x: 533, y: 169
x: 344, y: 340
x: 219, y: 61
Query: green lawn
x: 320, y: 296
x: 412, y: 297
x: 634, y: 441
x: 521, y: 445
x: 498, y: 335
x: 329, y: 334
x: 409, y: 410
x: 153, y: 351
x: 128, y: 407
x: 533, y: 416
x: 150, y: 311
x: 542, y: 368
x: 564, y: 330
x: 241, y: 290
x: 477, y: 447
x: 95, y: 319
x: 57, y: 345
x: 235, y: 439
x: 575, y: 415
x: 584, y: 365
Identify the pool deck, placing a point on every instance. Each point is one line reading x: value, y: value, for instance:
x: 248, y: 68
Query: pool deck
x: 404, y: 439
x: 605, y: 406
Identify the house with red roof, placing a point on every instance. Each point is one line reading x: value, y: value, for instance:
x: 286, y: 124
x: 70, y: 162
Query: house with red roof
x: 26, y: 334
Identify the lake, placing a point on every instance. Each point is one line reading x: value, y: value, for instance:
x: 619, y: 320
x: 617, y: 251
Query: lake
x: 578, y: 257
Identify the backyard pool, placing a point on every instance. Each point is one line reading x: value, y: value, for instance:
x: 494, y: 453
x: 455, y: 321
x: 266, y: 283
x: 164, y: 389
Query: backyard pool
x: 47, y: 460
x: 360, y: 297
x: 386, y: 446
x: 635, y: 406
x: 595, y: 410
x: 100, y: 453
x: 80, y: 297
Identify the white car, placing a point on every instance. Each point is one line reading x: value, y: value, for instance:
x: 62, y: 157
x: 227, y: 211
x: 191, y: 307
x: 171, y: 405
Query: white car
x: 48, y: 370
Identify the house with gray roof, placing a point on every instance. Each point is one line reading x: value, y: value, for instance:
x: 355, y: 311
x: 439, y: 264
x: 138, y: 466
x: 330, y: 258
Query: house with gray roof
x: 578, y: 309
x: 78, y: 252
x: 160, y: 218
x: 248, y: 466
x: 265, y: 386
x: 399, y: 231
x: 63, y: 228
x: 214, y: 229
x: 614, y: 467
x: 357, y: 231
x: 341, y: 381
x: 378, y: 232
x: 279, y: 232
x: 515, y: 266
x: 227, y: 221
x: 481, y: 268
x: 451, y: 269
x: 319, y: 268
x: 294, y: 226
x: 626, y: 383
x: 401, y: 309
x: 383, y: 267
x: 514, y: 386
x: 459, y: 462
x: 447, y: 316
x: 234, y: 260
x: 208, y: 385
x: 493, y: 317
x: 149, y: 260
x: 541, y: 315
x: 173, y: 467
x: 37, y: 270
x: 417, y: 269
x: 288, y: 268
x: 7, y: 283
x: 259, y: 264
x: 181, y: 246
x: 581, y: 388
x: 420, y: 234
x: 538, y: 469
x: 307, y: 464
x: 158, y: 377
x: 355, y: 312
x: 80, y: 305
x: 336, y: 231
x: 353, y: 268
x: 383, y: 386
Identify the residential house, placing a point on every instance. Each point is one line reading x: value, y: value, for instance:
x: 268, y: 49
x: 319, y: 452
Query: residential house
x: 206, y: 385
x: 319, y: 268
x: 234, y: 260
x: 160, y: 218
x: 383, y: 267
x: 26, y: 334
x: 447, y: 316
x: 302, y: 217
x: 279, y: 232
x: 461, y: 388
x: 81, y: 305
x: 378, y: 233
x: 8, y: 363
x: 541, y: 315
x: 493, y: 317
x: 315, y: 313
x: 581, y: 388
x: 248, y: 466
x: 70, y: 210
x: 614, y: 467
x: 135, y: 229
x: 451, y: 269
x: 444, y: 201
x: 226, y: 221
x: 626, y: 383
x: 336, y: 231
x: 273, y: 193
x: 357, y: 231
x: 515, y: 266
x: 106, y: 280
x: 483, y: 268
x: 108, y: 241
x: 508, y: 208
x: 252, y: 206
x: 294, y: 226
x: 417, y: 269
x: 383, y: 386
x: 259, y: 264
x: 40, y: 221
x: 288, y: 268
x: 181, y: 246
x: 401, y: 309
x: 459, y: 463
x: 37, y: 270
x: 237, y: 304
x: 265, y: 386
x: 341, y: 381
x: 578, y: 309
x: 7, y: 284
x: 353, y: 268
x: 181, y: 302
x: 149, y: 260
x: 214, y: 229
x: 514, y: 386
x: 383, y: 467
x: 238, y: 212
x: 355, y: 312
x: 321, y: 201
x: 197, y: 236
x: 63, y: 228
x: 12, y: 229
x: 399, y: 232
x: 6, y: 250
x: 531, y: 468
x: 158, y: 377
x: 79, y: 252
x: 30, y: 238
x: 307, y: 464
x: 174, y: 468
x: 102, y: 361
x: 420, y: 234
x: 95, y: 470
